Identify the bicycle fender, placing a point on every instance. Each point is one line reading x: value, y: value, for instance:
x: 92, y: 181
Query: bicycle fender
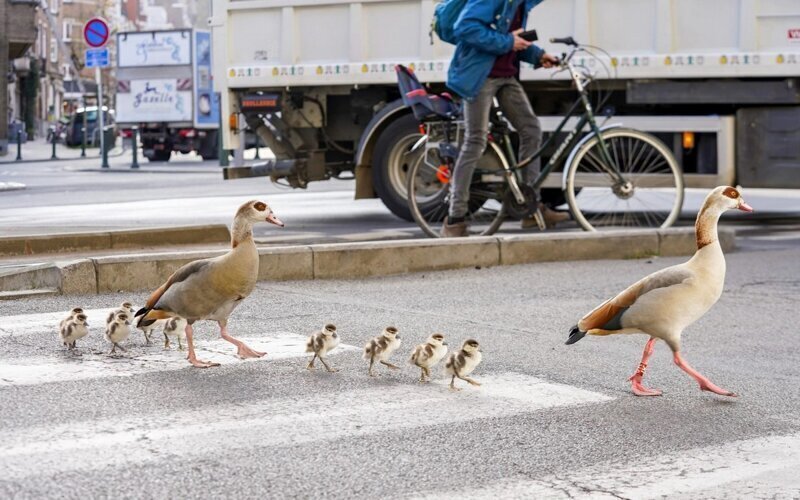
x: 578, y: 146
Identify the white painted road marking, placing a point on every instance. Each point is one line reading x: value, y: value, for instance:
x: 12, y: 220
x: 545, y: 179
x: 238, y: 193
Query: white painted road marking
x: 740, y: 469
x: 94, y: 444
x: 28, y: 324
x: 42, y: 370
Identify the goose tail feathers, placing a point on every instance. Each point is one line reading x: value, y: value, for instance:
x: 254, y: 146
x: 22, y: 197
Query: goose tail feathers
x: 575, y: 334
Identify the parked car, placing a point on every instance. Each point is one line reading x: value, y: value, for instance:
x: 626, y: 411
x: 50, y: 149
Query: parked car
x: 74, y: 135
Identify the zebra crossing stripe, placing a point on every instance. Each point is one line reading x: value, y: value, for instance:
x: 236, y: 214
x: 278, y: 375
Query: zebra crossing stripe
x: 85, y: 364
x: 762, y: 467
x: 90, y: 445
x: 47, y: 323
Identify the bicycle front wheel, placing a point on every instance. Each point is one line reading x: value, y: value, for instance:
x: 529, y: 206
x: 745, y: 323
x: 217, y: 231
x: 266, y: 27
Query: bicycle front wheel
x: 650, y: 193
x: 429, y: 193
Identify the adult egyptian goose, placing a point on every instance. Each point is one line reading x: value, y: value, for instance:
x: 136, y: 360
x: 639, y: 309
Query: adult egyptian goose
x: 210, y: 289
x: 663, y: 304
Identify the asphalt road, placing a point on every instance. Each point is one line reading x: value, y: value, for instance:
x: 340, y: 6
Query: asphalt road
x: 549, y: 421
x: 75, y: 196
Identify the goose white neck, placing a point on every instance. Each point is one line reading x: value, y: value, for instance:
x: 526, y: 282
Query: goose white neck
x: 241, y: 232
x: 706, y: 225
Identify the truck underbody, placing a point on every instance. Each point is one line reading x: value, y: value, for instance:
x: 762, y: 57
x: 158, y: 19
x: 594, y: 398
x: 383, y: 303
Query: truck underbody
x: 318, y: 133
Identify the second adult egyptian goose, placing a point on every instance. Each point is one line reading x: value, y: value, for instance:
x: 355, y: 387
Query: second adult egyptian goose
x: 210, y: 289
x: 663, y: 304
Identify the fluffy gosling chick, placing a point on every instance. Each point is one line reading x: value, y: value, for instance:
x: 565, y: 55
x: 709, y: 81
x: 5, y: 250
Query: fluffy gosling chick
x: 426, y: 355
x: 174, y: 327
x: 76, y: 311
x: 149, y: 329
x: 127, y: 309
x: 462, y: 363
x: 321, y: 343
x: 118, y: 330
x: 74, y: 329
x: 381, y: 348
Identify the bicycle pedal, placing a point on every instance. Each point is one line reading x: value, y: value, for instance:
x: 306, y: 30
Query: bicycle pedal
x: 539, y: 217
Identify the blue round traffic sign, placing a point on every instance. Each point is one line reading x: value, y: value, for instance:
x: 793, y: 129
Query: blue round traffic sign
x: 95, y: 32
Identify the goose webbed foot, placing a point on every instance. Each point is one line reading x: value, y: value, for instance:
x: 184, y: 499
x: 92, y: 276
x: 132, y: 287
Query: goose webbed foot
x: 705, y: 384
x: 641, y: 390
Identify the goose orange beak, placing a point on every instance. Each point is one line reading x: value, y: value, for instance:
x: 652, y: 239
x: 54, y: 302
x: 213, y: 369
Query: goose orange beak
x: 274, y: 220
x: 744, y: 207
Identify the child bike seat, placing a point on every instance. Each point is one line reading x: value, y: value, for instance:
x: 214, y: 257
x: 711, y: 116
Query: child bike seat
x: 422, y: 104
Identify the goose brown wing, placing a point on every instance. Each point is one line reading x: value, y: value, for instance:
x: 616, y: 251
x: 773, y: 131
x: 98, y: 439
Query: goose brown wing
x: 610, y: 309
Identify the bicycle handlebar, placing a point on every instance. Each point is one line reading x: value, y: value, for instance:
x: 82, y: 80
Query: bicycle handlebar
x: 566, y: 41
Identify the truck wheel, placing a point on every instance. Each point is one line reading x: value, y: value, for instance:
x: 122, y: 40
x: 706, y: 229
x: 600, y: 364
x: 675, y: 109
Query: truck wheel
x: 391, y: 164
x: 158, y: 155
x: 209, y: 149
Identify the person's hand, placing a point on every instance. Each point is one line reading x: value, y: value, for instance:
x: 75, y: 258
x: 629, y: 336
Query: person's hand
x: 520, y: 43
x: 548, y: 61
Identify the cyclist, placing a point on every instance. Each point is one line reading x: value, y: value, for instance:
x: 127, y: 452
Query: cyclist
x: 486, y: 65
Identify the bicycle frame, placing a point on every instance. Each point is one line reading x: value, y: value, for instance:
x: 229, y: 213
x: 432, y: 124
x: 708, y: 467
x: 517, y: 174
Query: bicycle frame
x: 587, y: 117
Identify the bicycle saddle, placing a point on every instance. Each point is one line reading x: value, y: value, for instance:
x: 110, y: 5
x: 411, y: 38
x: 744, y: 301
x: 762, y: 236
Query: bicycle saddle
x: 423, y: 104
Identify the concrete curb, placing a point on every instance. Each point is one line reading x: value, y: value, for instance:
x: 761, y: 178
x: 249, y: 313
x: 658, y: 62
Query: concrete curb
x: 139, y: 272
x: 102, y: 240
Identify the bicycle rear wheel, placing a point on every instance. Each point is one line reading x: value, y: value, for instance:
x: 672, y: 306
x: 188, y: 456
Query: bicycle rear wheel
x: 652, y: 195
x: 429, y: 193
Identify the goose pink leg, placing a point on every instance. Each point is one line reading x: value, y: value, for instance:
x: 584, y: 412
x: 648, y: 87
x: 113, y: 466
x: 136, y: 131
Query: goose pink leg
x: 192, y: 357
x: 636, y: 378
x: 705, y: 384
x: 244, y: 351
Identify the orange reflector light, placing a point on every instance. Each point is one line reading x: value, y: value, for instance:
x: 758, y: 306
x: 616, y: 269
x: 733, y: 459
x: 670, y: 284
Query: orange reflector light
x: 233, y: 122
x: 422, y: 129
x: 688, y: 140
x: 443, y: 174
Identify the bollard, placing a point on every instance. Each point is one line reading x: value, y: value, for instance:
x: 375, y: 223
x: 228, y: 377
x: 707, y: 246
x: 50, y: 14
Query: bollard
x: 19, y: 144
x: 223, y: 153
x: 54, y: 138
x: 104, y: 147
x: 83, y: 141
x: 135, y: 145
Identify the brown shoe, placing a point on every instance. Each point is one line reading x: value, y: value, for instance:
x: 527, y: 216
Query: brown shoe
x: 459, y: 229
x: 551, y: 217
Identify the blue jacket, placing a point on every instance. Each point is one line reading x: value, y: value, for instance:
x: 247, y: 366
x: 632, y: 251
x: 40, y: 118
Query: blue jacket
x: 482, y: 33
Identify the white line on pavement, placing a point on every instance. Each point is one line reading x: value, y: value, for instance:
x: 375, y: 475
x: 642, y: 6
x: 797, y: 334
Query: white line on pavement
x: 42, y: 370
x: 95, y: 444
x: 738, y: 469
x: 26, y: 324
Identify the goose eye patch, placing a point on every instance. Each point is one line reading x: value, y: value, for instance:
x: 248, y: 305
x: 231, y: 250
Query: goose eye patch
x: 260, y: 206
x: 731, y: 193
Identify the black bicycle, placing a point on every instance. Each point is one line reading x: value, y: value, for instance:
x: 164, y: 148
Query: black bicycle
x: 614, y: 177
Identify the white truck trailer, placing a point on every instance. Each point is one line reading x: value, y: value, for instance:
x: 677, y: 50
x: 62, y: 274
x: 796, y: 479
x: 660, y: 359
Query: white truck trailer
x: 165, y: 87
x: 716, y: 80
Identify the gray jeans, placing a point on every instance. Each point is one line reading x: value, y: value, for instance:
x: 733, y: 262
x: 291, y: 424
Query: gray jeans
x: 517, y: 109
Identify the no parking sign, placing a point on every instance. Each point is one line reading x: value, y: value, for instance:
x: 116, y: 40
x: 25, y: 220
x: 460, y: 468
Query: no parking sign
x: 95, y: 32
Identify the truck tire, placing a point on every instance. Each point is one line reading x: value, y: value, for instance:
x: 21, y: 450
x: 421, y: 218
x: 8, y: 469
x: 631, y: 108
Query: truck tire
x: 391, y: 165
x: 209, y: 149
x: 158, y: 155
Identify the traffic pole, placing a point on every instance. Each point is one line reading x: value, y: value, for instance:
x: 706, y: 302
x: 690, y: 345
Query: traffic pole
x: 83, y: 132
x: 135, y: 139
x: 100, y: 118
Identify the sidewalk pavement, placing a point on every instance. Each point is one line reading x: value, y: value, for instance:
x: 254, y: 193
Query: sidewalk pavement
x: 41, y: 150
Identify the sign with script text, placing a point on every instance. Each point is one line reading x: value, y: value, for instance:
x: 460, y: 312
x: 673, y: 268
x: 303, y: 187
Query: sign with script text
x: 160, y: 100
